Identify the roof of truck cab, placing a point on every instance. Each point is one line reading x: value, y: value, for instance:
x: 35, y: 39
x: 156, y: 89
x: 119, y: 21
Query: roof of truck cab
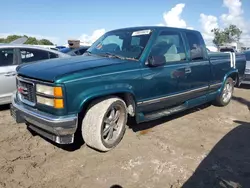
x: 152, y: 28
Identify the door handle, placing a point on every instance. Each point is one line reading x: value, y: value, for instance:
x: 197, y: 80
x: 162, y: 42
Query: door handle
x: 188, y: 70
x: 10, y: 74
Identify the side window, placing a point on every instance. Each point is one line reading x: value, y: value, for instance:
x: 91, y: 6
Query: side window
x: 169, y: 45
x: 7, y: 57
x: 195, y: 45
x: 52, y: 55
x: 29, y: 55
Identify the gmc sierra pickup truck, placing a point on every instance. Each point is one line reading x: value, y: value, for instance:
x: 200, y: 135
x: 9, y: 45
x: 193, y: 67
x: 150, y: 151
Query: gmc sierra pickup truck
x: 142, y: 72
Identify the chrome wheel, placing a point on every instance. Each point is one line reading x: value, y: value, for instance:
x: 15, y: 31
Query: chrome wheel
x: 113, y: 124
x: 227, y: 92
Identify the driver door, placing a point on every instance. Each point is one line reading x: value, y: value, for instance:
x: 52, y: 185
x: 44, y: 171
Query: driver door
x: 166, y: 85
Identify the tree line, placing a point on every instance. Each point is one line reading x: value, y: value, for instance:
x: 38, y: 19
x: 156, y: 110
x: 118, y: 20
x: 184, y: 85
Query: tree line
x: 30, y: 40
x: 227, y: 35
x: 221, y: 36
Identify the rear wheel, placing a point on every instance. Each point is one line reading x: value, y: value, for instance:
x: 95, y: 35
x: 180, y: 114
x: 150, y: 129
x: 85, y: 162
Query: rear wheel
x: 227, y: 93
x: 104, y: 123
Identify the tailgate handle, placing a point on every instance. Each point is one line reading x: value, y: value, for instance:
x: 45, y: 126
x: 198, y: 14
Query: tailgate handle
x: 188, y: 70
x: 10, y: 74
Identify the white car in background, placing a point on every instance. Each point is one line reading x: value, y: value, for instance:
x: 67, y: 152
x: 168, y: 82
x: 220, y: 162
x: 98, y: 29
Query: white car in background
x: 12, y: 55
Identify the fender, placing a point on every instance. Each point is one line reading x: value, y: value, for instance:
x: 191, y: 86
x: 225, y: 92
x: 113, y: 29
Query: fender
x: 230, y: 73
x: 96, y: 92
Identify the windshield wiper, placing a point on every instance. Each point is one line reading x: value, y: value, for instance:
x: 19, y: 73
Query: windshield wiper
x: 107, y: 54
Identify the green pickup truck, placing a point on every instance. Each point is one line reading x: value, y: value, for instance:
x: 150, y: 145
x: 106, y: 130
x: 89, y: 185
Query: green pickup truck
x: 142, y: 72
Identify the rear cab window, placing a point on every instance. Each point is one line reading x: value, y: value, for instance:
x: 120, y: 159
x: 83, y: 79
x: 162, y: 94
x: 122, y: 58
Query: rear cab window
x: 196, y: 46
x: 7, y: 57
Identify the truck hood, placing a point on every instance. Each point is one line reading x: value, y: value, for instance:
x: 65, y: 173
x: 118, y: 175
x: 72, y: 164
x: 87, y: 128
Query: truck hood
x: 49, y: 70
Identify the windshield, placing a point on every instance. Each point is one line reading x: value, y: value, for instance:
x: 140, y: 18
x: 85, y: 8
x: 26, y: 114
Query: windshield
x: 127, y: 44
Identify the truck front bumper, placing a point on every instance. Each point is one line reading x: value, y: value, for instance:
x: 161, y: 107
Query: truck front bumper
x: 59, y: 129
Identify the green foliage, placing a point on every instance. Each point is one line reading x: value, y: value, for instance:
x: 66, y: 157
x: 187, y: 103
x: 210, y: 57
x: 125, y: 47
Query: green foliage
x: 31, y: 40
x: 45, y: 42
x: 228, y: 35
x: 2, y: 40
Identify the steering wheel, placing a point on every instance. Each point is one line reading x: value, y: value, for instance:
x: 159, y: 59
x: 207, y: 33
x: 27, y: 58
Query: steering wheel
x: 136, y: 48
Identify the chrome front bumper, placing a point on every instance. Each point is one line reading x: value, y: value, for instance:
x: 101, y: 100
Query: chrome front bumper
x: 59, y: 129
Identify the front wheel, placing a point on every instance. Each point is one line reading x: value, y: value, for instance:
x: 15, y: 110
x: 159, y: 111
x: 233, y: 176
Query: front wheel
x: 227, y: 93
x: 105, y: 123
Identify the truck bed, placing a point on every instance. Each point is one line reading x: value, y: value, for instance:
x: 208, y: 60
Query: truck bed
x: 235, y: 60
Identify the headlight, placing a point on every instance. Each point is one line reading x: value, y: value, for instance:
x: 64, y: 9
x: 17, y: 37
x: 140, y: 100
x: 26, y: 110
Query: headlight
x: 49, y: 90
x: 50, y: 96
x: 56, y: 103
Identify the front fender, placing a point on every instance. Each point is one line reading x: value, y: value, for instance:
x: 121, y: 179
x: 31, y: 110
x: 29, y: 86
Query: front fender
x: 95, y: 92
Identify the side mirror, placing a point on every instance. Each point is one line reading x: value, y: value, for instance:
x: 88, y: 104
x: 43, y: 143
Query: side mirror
x: 156, y: 61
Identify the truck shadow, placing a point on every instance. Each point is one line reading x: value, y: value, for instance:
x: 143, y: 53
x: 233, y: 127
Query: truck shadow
x: 228, y: 163
x: 4, y: 107
x: 242, y: 101
x: 244, y: 86
x: 78, y: 142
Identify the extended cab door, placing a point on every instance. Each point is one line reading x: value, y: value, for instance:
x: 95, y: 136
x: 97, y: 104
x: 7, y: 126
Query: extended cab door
x: 8, y: 63
x: 166, y: 85
x: 199, y: 71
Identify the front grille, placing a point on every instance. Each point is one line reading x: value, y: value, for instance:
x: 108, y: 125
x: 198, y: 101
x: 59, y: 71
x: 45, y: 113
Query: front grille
x: 26, y: 90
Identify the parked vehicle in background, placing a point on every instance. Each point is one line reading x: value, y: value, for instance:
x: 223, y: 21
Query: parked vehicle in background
x: 227, y: 49
x: 60, y: 47
x: 142, y: 72
x: 51, y: 47
x: 74, y: 51
x: 212, y: 49
x: 12, y: 55
x: 247, y: 70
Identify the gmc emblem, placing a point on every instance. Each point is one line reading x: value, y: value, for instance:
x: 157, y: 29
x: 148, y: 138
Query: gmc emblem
x: 22, y: 90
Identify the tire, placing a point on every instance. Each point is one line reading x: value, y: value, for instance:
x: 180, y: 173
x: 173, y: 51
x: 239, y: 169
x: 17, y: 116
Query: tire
x: 237, y: 83
x: 226, y: 94
x: 103, y: 117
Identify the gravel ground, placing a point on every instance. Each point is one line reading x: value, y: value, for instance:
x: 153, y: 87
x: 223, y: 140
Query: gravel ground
x: 204, y: 147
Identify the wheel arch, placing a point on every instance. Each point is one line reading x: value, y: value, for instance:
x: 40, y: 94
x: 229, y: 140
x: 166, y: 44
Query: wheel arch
x: 127, y: 96
x: 232, y: 74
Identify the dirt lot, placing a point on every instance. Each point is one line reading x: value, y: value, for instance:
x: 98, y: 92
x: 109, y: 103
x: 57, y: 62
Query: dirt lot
x: 204, y: 147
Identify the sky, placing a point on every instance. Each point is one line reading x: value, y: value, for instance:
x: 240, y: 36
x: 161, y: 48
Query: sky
x: 59, y: 21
